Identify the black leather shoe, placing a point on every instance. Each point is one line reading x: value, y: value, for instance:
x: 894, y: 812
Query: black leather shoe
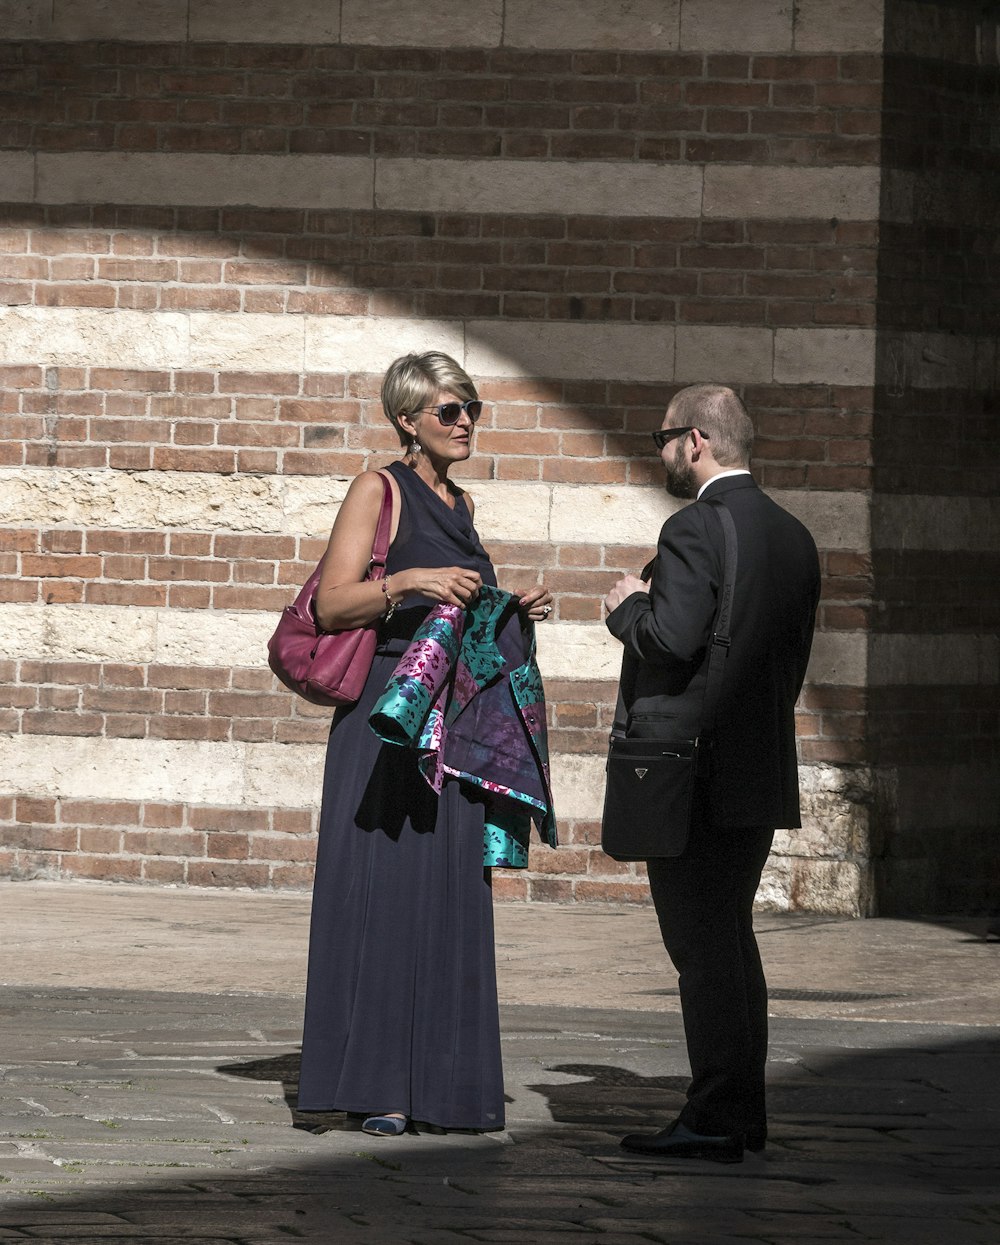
x: 678, y: 1142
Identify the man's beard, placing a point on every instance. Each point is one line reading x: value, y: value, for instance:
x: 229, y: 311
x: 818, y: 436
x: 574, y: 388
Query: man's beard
x: 681, y: 480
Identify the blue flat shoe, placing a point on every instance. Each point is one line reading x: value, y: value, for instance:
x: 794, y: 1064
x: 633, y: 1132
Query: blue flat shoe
x: 384, y: 1125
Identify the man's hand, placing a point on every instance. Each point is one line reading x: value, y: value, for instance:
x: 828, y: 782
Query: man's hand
x: 622, y: 589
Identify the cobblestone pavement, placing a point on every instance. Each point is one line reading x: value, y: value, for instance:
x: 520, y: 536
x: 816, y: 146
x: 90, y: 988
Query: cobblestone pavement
x: 162, y: 1114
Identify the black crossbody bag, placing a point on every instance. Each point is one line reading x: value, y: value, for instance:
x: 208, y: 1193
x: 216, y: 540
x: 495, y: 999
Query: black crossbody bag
x: 649, y: 795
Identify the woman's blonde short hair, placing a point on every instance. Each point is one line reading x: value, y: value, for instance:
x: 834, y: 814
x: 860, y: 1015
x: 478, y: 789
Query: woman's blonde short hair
x: 414, y: 380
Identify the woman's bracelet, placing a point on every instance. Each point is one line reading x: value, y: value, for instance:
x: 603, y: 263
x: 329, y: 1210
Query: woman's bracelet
x: 390, y: 604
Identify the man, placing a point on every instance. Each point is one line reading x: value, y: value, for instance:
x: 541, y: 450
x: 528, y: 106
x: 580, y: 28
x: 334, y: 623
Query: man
x: 704, y: 897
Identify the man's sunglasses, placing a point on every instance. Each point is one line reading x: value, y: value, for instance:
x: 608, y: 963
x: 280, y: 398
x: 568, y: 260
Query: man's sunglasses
x: 449, y: 413
x: 663, y: 435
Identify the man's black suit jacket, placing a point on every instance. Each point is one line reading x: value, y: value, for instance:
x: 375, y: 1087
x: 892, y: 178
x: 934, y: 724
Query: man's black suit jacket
x: 753, y: 777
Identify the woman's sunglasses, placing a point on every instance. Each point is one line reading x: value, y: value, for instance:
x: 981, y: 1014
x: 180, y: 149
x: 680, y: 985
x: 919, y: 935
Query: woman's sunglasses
x: 449, y: 413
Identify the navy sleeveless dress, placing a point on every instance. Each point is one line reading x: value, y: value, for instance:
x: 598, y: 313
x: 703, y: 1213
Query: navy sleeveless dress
x: 401, y: 1002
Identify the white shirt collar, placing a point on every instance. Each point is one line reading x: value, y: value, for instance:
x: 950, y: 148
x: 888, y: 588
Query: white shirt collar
x: 733, y: 471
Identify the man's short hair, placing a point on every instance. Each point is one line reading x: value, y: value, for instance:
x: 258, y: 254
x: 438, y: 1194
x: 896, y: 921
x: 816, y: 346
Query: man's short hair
x: 717, y: 412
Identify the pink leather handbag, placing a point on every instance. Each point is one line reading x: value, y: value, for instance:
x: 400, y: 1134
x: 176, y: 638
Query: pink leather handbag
x: 328, y: 667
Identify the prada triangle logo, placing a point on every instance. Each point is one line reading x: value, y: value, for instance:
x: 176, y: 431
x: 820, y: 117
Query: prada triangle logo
x: 641, y: 773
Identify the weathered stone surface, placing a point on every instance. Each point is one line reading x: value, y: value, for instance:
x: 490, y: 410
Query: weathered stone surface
x: 635, y: 352
x: 259, y: 21
x: 578, y: 187
x: 221, y: 342
x: 613, y: 514
x: 153, y: 21
x: 839, y: 658
x: 132, y: 769
x: 81, y: 337
x: 369, y: 344
x: 722, y: 354
x: 505, y: 510
x: 237, y: 638
x: 195, y: 179
x: 788, y: 192
x: 258, y: 775
x: 836, y: 814
x: 831, y: 356
x: 157, y: 500
x: 26, y: 19
x: 77, y: 633
x: 213, y: 637
x: 633, y: 25
x: 578, y: 786
x: 438, y: 23
x: 17, y: 171
x: 839, y: 25
x: 794, y: 883
x: 718, y: 25
x: 578, y: 650
x: 836, y: 520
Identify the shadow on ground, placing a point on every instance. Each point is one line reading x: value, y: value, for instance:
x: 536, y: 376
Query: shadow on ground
x: 881, y: 1132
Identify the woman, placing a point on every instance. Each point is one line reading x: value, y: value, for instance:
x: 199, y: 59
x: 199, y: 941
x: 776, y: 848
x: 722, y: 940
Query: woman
x: 401, y: 1007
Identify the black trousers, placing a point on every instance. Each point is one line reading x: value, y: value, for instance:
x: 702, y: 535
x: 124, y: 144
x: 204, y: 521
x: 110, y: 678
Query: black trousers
x: 704, y: 903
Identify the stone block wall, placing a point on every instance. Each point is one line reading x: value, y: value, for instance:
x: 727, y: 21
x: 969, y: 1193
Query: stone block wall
x: 221, y: 221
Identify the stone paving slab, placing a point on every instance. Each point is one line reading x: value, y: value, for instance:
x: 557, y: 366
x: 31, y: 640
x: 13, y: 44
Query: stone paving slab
x: 135, y: 1108
x: 867, y: 1144
x: 189, y: 940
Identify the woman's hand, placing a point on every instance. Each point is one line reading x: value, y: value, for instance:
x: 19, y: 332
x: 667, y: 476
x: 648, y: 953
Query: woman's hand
x: 454, y: 585
x: 536, y: 603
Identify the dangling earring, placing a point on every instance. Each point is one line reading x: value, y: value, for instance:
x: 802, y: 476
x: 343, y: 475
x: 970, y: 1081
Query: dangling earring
x: 415, y: 447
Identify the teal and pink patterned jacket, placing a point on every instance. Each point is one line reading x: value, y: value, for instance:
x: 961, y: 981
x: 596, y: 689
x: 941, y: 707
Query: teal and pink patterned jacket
x: 467, y: 696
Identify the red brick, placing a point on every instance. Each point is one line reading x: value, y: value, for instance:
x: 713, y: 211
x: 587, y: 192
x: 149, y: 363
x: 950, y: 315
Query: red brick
x: 509, y: 885
x: 294, y: 821
x: 41, y: 722
x: 226, y: 873
x: 74, y: 566
x: 164, y: 872
x: 105, y: 842
x: 28, y: 809
x: 550, y: 890
x: 189, y: 728
x: 105, y: 868
x: 165, y: 843
x: 93, y: 813
x: 588, y: 891
x: 41, y: 838
x: 164, y: 816
x: 279, y: 847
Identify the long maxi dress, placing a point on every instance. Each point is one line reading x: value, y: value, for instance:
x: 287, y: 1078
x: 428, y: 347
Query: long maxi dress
x: 401, y: 1001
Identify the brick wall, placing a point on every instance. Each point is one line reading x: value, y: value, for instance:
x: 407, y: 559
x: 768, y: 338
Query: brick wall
x: 211, y: 250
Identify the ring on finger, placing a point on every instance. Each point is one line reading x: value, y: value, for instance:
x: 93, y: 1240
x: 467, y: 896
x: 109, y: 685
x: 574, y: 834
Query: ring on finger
x: 546, y: 610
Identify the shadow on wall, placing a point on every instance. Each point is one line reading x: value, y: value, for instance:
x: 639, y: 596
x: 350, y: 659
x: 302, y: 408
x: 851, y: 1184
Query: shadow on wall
x: 933, y: 714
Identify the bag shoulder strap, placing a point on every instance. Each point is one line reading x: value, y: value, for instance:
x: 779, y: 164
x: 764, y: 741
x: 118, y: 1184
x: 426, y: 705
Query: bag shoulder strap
x: 380, y: 545
x: 718, y: 645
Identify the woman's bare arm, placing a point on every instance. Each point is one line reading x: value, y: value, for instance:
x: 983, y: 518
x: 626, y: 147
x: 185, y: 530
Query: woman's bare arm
x: 344, y: 598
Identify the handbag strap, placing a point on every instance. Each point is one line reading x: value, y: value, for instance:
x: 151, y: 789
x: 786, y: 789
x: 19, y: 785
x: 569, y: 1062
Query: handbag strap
x: 380, y: 545
x: 718, y: 646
